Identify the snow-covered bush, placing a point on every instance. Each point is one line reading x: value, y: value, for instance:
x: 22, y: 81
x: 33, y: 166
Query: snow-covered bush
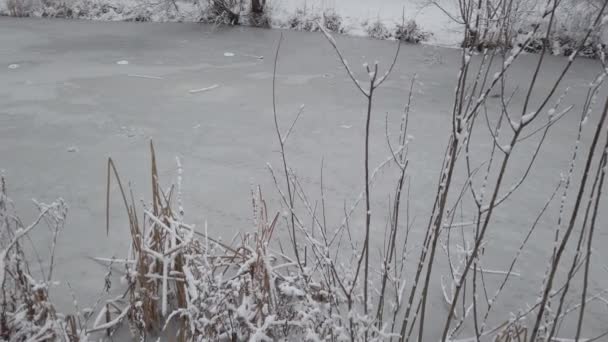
x: 26, y: 312
x: 499, y: 24
x: 304, y: 19
x: 332, y: 21
x: 562, y: 44
x: 309, y: 19
x: 411, y: 32
x: 377, y: 30
x: 573, y: 21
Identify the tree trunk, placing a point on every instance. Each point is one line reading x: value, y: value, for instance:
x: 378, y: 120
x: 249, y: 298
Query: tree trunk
x: 257, y: 6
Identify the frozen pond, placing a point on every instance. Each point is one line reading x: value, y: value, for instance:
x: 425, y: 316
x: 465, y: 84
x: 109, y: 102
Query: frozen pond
x: 79, y: 92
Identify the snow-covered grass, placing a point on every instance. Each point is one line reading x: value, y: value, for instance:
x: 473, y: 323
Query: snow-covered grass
x: 377, y: 30
x: 307, y: 19
x: 411, y: 32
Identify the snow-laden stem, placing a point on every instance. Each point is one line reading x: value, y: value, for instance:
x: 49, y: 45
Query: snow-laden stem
x: 283, y: 157
x: 562, y: 246
x: 602, y: 167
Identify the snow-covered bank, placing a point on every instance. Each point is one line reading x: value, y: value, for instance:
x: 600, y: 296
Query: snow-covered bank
x: 421, y: 20
x: 356, y: 18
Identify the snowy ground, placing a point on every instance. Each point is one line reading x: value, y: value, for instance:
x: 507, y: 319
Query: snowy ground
x: 68, y: 104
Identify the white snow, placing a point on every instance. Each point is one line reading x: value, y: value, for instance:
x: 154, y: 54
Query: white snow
x: 122, y: 62
x: 527, y: 118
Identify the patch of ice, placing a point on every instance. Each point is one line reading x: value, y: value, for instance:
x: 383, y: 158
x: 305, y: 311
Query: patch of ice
x: 145, y: 76
x: 254, y: 56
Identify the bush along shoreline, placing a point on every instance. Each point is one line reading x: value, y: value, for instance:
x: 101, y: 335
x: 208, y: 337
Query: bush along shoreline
x: 496, y: 33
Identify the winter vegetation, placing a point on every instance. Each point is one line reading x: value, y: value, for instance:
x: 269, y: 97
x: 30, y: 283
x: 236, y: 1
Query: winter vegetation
x: 259, y: 13
x: 326, y: 282
x: 505, y: 23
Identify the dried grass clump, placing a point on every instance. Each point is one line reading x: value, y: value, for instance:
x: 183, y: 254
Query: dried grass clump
x: 180, y: 280
x: 309, y: 19
x: 378, y: 30
x: 332, y: 21
x: 411, y: 32
x: 304, y: 20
